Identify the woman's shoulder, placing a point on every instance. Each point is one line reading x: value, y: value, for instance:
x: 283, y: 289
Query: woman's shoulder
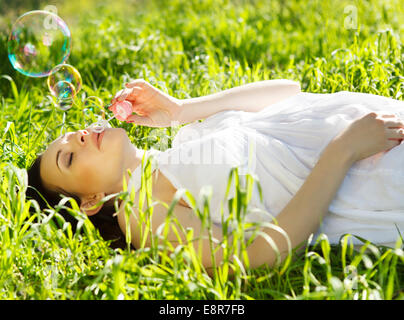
x: 162, y: 190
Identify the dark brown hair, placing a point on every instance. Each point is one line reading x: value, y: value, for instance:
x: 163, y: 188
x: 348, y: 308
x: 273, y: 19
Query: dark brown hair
x: 104, y: 221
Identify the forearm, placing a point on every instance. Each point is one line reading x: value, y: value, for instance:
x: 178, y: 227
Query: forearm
x: 303, y: 214
x: 251, y: 97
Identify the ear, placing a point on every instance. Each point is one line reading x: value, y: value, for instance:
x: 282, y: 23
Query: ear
x: 88, y: 203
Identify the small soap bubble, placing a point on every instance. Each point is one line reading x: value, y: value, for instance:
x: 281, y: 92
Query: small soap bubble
x: 64, y: 90
x: 100, y: 125
x: 65, y: 102
x: 93, y: 104
x: 67, y: 73
x: 35, y: 45
x: 64, y: 94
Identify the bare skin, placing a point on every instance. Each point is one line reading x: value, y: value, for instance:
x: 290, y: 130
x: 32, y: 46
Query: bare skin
x: 364, y: 137
x: 94, y: 173
x: 99, y: 172
x: 155, y: 108
x: 302, y: 215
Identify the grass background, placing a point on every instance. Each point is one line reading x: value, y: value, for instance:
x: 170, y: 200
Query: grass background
x: 188, y: 48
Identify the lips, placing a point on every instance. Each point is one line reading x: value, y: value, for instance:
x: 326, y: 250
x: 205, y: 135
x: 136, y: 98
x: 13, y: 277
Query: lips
x: 100, y: 136
x: 95, y: 138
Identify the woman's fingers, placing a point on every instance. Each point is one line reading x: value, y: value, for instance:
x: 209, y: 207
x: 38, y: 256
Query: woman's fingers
x: 395, y: 134
x: 134, y: 93
x: 121, y: 95
x: 134, y: 83
x: 143, y: 121
x: 124, y: 95
x: 132, y: 89
x: 127, y: 94
x: 114, y: 99
x: 395, y: 130
x: 394, y: 124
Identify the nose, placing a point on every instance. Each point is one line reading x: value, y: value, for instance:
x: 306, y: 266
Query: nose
x: 81, y: 136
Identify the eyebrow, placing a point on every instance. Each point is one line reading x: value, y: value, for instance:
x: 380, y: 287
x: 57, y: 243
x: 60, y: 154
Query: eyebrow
x: 57, y: 159
x: 58, y: 153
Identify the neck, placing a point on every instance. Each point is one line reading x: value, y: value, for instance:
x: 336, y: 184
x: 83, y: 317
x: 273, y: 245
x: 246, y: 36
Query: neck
x: 134, y: 160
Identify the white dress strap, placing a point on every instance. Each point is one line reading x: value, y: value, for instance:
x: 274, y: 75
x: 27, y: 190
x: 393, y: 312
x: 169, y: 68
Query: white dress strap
x: 136, y: 178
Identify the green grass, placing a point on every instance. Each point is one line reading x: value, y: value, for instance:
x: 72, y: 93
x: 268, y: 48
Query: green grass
x: 188, y: 49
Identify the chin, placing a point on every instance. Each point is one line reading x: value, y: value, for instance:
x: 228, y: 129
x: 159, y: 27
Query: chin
x: 116, y: 133
x: 122, y: 133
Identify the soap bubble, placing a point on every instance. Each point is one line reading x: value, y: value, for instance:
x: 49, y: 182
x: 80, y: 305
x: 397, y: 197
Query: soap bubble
x: 66, y: 73
x: 64, y: 90
x: 93, y: 105
x: 100, y: 125
x: 64, y: 93
x: 65, y: 103
x: 38, y: 41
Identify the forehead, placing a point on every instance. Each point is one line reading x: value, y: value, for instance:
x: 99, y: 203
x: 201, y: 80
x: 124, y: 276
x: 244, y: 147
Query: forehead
x: 54, y: 146
x: 49, y: 159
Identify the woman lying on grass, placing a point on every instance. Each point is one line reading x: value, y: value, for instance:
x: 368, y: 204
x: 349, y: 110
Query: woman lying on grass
x: 326, y: 163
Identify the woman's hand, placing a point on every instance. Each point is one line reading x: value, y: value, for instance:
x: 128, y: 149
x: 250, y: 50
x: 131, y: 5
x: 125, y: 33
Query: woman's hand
x: 303, y: 214
x: 153, y: 107
x: 371, y: 134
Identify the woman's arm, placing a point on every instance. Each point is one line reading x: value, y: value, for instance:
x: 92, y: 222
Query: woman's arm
x: 298, y: 219
x: 303, y: 214
x: 155, y: 108
x: 251, y: 97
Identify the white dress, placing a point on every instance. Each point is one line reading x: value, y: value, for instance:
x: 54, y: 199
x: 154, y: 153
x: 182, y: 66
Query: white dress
x: 285, y: 141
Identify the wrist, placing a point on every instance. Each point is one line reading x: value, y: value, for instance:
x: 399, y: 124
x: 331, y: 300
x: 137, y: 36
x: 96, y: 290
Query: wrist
x: 182, y: 114
x: 341, y: 151
x: 192, y: 109
x: 176, y: 115
x: 198, y: 108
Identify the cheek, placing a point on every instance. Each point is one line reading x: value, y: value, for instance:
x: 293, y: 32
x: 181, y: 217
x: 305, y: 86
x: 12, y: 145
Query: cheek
x: 102, y: 167
x: 89, y: 172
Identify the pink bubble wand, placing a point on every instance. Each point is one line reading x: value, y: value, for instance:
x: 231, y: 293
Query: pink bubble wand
x: 121, y: 109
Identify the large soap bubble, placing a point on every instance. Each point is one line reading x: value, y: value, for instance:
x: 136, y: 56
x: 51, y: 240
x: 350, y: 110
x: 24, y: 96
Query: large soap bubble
x: 38, y: 41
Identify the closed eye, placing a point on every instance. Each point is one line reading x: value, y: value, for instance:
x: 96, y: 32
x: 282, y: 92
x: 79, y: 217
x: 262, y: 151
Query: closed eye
x: 71, y: 159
